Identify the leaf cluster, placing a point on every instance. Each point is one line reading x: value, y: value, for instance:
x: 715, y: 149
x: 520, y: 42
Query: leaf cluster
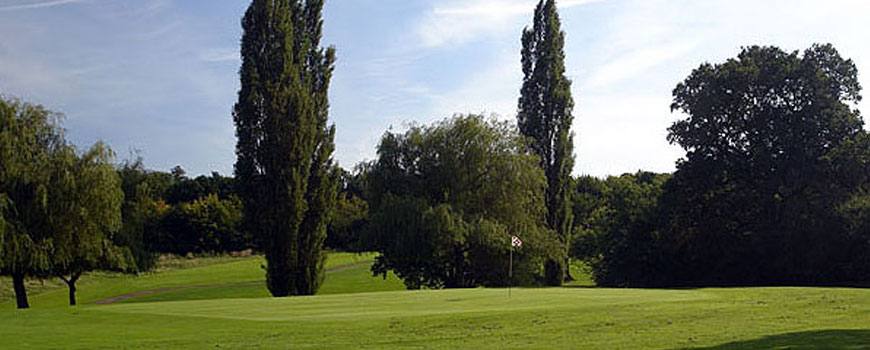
x: 446, y: 199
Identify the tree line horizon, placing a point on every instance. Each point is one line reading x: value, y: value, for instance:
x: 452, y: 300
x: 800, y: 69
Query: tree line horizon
x: 774, y: 188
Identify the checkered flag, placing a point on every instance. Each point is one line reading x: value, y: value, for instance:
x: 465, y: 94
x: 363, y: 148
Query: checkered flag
x: 516, y: 242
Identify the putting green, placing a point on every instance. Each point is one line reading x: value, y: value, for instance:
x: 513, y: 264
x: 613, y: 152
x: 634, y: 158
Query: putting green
x: 375, y: 314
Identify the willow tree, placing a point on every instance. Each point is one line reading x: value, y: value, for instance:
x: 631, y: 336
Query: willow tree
x: 544, y: 115
x: 284, y: 166
x: 446, y: 199
x: 84, y: 212
x: 29, y: 135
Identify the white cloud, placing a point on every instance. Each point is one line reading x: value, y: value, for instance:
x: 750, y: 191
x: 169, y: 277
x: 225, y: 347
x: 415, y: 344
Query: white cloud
x: 37, y: 4
x: 464, y: 21
x: 636, y: 62
x: 219, y: 55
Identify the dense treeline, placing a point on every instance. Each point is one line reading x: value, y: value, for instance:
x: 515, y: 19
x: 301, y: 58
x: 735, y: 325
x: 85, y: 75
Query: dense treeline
x: 167, y: 212
x: 773, y: 188
x: 350, y: 218
x: 616, y: 223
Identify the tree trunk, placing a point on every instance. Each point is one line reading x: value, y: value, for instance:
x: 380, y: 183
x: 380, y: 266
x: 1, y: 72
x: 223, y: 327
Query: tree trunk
x: 71, y: 283
x: 554, y: 273
x: 20, y: 291
x: 72, y: 294
x: 568, y: 277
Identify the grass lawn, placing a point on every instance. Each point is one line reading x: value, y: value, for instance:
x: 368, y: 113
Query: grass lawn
x: 214, y: 277
x: 530, y: 318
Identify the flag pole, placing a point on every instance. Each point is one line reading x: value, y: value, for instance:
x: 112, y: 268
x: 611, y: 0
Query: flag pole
x: 511, y: 271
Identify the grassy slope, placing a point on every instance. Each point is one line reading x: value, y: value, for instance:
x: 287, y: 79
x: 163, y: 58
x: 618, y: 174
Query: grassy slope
x: 164, y: 265
x: 207, y: 271
x: 567, y: 318
x: 353, y: 279
x: 547, y: 318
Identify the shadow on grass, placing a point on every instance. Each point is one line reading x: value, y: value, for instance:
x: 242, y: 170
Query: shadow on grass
x: 809, y: 340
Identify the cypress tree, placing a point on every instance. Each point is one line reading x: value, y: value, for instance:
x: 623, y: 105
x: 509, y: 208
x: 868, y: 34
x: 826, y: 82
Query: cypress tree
x: 544, y: 115
x: 284, y: 148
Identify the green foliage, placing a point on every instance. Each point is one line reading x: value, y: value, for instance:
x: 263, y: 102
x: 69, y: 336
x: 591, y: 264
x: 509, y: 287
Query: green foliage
x: 59, y: 209
x: 351, y: 216
x: 84, y: 212
x: 84, y: 208
x: 445, y: 200
x: 346, y: 227
x: 286, y: 179
x: 184, y: 189
x: 171, y: 213
x: 143, y: 210
x: 773, y: 149
x: 773, y: 189
x: 544, y: 115
x: 208, y: 224
x: 29, y: 137
x: 616, y: 234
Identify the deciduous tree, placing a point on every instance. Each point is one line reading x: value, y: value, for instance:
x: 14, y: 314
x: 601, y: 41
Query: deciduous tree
x: 754, y: 200
x: 29, y: 136
x: 447, y: 198
x: 84, y: 212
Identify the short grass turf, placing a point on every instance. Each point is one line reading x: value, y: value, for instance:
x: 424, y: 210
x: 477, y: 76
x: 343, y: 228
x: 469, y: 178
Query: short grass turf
x: 527, y: 318
x: 356, y: 278
x: 218, y: 277
x: 546, y: 318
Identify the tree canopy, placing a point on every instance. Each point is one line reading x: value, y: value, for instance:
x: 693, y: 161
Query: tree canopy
x: 351, y: 213
x: 445, y: 200
x: 773, y: 188
x: 58, y: 209
x: 767, y: 136
x: 618, y: 219
x: 83, y: 213
x: 29, y: 135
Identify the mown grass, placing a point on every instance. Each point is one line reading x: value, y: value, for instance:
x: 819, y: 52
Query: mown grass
x: 165, y: 263
x: 528, y: 318
x: 546, y: 318
x: 355, y: 278
x: 204, y: 272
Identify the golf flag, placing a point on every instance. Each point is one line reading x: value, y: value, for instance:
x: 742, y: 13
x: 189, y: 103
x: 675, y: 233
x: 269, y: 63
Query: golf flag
x: 516, y: 242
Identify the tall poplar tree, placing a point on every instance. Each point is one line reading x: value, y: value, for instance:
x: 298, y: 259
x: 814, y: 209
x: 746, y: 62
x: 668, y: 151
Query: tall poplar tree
x: 544, y: 115
x: 284, y: 167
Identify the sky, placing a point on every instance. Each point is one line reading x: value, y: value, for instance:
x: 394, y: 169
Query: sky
x: 159, y: 77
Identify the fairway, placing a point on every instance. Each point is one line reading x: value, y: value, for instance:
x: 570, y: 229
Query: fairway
x: 202, y: 278
x: 232, y: 311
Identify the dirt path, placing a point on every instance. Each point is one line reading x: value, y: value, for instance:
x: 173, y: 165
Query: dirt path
x: 219, y: 285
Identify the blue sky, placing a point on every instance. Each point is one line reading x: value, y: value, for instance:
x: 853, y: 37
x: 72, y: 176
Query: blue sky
x: 160, y: 76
